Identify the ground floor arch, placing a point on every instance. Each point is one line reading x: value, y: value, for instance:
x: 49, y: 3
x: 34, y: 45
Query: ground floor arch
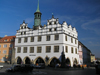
x: 67, y: 61
x: 75, y: 61
x: 39, y: 60
x: 27, y: 60
x: 53, y: 61
x: 19, y: 60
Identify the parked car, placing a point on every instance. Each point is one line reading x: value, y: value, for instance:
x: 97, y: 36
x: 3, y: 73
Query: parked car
x: 98, y: 69
x: 20, y: 68
x: 14, y: 68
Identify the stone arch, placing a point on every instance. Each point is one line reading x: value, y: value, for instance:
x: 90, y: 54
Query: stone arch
x: 53, y: 61
x: 37, y: 59
x: 75, y: 61
x: 67, y: 61
x: 16, y: 60
x: 27, y: 60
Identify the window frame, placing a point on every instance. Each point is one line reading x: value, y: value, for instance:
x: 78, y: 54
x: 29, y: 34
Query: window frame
x: 72, y: 51
x: 56, y: 49
x: 39, y: 38
x: 39, y: 48
x: 18, y: 49
x: 31, y: 50
x: 5, y: 45
x: 48, y: 38
x: 25, y: 39
x: 56, y: 38
x: 25, y: 48
x: 32, y: 39
x: 19, y: 40
x: 66, y: 49
x: 48, y: 49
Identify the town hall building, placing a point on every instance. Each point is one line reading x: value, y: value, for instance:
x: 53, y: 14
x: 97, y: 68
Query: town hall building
x: 44, y: 44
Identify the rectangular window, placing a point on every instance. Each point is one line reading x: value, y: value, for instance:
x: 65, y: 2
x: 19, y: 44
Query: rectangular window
x: 25, y: 39
x: 71, y: 40
x: 31, y: 49
x: 76, y: 50
x: 32, y: 39
x: 21, y: 33
x: 75, y: 41
x: 66, y: 37
x: 18, y: 49
x: 25, y: 50
x: 0, y: 51
x: 38, y: 49
x: 19, y: 40
x: 39, y: 38
x: 0, y: 46
x: 71, y: 49
x: 56, y: 48
x: 48, y: 37
x: 24, y: 33
x: 5, y: 40
x: 66, y: 49
x: 55, y: 29
x: 5, y: 45
x: 4, y: 51
x: 48, y: 49
x: 57, y: 37
x: 50, y: 30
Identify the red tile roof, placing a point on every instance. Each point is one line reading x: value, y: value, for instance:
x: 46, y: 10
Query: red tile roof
x: 7, y: 39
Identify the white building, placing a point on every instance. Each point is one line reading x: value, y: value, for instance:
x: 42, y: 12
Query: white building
x: 44, y: 44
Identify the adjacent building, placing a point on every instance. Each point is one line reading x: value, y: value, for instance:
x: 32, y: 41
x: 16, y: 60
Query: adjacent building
x: 44, y: 44
x: 6, y: 46
x: 84, y: 54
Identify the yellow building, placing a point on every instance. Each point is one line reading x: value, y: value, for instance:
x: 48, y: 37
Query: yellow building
x: 6, y: 46
x: 92, y: 57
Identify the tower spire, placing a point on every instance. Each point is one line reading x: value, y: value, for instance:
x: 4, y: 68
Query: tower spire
x: 38, y: 7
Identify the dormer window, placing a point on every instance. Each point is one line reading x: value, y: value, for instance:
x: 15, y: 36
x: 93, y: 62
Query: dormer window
x: 24, y: 33
x: 5, y: 40
x: 49, y: 23
x: 55, y: 29
x: 25, y: 27
x: 21, y: 33
x: 49, y: 30
x: 21, y: 27
x: 55, y: 22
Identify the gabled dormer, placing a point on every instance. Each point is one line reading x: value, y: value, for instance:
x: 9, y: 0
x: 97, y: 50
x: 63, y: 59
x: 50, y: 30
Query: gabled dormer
x: 53, y: 21
x: 23, y: 25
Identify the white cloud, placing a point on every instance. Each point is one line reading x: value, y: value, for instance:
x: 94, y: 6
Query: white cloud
x: 29, y: 20
x: 94, y: 44
x: 93, y: 25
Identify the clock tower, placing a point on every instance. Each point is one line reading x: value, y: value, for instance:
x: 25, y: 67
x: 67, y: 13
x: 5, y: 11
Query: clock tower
x: 37, y: 17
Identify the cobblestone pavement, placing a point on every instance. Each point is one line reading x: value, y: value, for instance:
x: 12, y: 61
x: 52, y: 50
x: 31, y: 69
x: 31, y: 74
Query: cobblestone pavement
x: 51, y: 71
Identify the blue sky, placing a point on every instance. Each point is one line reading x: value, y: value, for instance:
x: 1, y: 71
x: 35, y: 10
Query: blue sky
x: 84, y: 15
